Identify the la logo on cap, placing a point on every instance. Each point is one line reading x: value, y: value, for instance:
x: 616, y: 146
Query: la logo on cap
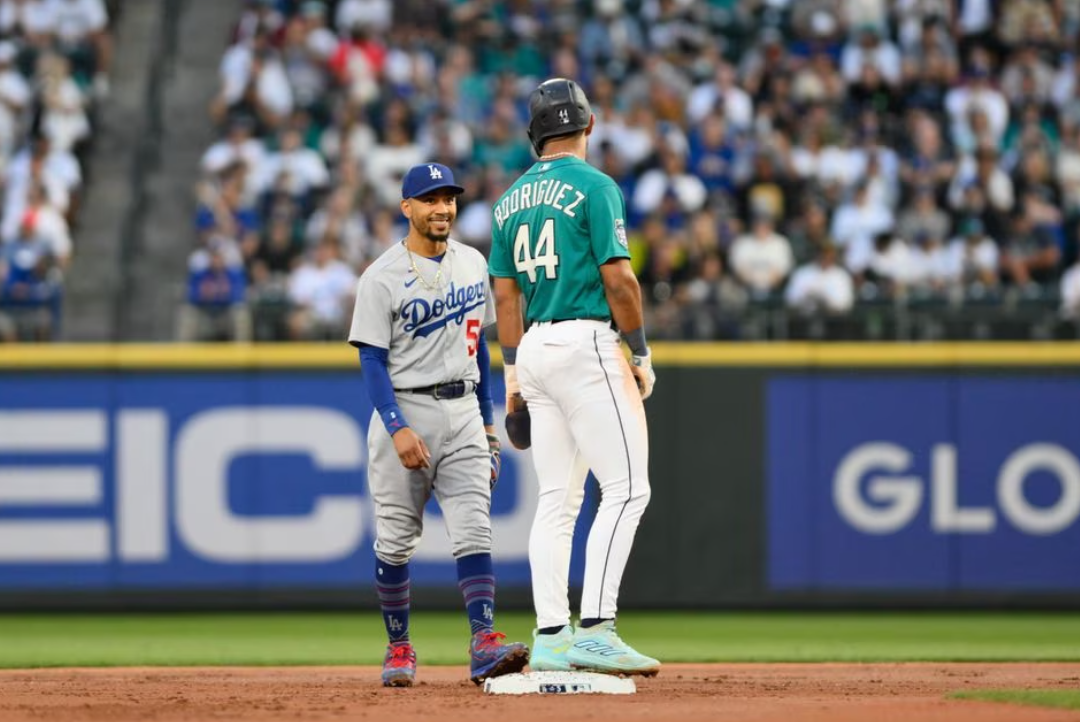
x: 435, y: 172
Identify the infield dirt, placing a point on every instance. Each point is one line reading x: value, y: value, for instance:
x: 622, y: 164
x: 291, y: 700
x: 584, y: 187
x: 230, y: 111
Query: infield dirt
x: 683, y: 692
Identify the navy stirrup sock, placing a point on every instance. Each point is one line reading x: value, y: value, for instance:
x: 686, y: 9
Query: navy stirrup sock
x: 392, y: 586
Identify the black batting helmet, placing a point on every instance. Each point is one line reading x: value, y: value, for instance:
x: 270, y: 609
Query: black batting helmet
x: 557, y: 107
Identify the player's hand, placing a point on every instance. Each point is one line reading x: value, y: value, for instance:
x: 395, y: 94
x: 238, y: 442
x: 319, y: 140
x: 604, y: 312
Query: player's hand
x: 512, y: 385
x: 411, y: 449
x: 495, y: 448
x: 641, y: 367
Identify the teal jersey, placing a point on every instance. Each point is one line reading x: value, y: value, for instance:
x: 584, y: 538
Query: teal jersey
x: 552, y: 230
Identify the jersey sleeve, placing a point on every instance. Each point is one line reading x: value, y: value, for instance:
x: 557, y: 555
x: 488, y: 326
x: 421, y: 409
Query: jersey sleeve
x: 489, y: 305
x: 499, y: 261
x: 371, y: 321
x: 607, y: 223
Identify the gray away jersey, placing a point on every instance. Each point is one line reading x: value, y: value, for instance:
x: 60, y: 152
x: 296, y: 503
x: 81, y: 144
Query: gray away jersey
x: 432, y: 334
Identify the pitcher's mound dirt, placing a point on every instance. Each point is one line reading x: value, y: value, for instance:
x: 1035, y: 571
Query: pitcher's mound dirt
x: 682, y: 692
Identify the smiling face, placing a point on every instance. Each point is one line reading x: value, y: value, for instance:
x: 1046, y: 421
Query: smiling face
x: 432, y: 214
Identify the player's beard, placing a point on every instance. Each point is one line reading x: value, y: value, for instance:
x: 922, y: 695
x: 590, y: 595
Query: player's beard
x: 432, y: 235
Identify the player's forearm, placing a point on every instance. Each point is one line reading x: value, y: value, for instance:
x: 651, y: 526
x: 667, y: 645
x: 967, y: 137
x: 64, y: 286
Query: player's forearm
x: 483, y: 389
x: 509, y: 321
x: 376, y: 377
x: 623, y: 296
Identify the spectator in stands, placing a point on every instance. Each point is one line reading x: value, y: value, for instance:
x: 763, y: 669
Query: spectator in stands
x: 15, y: 97
x: 809, y: 231
x: 930, y: 270
x: 973, y: 258
x: 238, y: 146
x: 977, y: 94
x: 892, y: 267
x: 388, y: 161
x: 821, y: 287
x: 1032, y: 253
x: 216, y: 308
x: 926, y: 39
x: 473, y: 224
x: 922, y: 216
x: 38, y: 163
x: 1021, y: 21
x: 928, y: 161
x: 722, y: 93
x: 358, y: 61
x: 254, y: 82
x: 259, y: 16
x: 767, y: 189
x: 983, y: 172
x: 305, y: 69
x: 869, y: 50
x: 374, y: 14
x: 28, y: 285
x: 1027, y: 78
x: 43, y: 222
x: 280, y: 248
x: 338, y: 221
x: 713, y: 154
x: 501, y: 146
x: 717, y: 300
x: 63, y: 116
x: 855, y: 226
x: 225, y: 212
x: 82, y: 36
x: 294, y: 169
x: 1067, y: 172
x: 819, y: 81
x: 1070, y: 293
x: 672, y: 179
x: 321, y: 292
x: 762, y: 258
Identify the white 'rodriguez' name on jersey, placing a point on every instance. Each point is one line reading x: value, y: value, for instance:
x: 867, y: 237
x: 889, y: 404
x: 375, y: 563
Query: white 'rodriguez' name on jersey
x: 548, y: 191
x: 431, y: 332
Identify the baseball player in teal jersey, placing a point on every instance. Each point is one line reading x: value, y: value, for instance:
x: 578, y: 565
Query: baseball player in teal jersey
x: 421, y: 309
x: 559, y: 249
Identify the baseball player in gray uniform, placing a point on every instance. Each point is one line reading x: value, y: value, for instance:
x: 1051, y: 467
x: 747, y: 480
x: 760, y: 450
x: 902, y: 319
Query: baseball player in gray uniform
x: 421, y: 309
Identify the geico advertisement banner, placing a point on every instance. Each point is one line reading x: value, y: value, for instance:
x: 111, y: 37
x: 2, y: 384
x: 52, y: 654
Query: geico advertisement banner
x: 942, y: 483
x: 208, y: 480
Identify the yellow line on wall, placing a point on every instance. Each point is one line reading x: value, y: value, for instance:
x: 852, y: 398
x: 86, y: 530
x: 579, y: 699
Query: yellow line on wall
x: 341, y: 356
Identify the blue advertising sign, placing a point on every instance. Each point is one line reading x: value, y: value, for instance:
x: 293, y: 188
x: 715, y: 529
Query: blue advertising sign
x: 935, y: 483
x: 209, y: 480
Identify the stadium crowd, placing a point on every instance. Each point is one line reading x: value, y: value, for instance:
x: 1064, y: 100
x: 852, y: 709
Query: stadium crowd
x: 801, y: 160
x: 54, y: 63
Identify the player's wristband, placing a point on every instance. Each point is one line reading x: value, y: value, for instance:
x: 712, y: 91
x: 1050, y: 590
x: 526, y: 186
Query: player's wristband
x: 509, y: 355
x: 636, y: 341
x: 392, y: 418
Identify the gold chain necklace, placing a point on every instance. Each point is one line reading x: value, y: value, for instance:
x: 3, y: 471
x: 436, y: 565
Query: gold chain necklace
x: 438, y: 274
x: 556, y: 156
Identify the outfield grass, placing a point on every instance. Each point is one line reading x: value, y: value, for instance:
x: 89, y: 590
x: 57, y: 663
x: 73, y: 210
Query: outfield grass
x: 1058, y: 698
x: 441, y: 638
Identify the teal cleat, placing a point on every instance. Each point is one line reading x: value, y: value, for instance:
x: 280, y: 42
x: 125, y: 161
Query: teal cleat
x: 599, y: 649
x: 549, y: 651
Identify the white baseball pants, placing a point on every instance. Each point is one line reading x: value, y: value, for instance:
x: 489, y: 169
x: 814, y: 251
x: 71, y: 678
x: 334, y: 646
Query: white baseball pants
x: 587, y: 414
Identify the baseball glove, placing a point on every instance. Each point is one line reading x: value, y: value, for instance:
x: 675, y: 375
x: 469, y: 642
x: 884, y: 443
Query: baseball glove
x: 518, y: 423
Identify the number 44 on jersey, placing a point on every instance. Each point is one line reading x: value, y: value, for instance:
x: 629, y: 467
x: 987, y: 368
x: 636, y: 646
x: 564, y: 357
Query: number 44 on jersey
x: 528, y: 257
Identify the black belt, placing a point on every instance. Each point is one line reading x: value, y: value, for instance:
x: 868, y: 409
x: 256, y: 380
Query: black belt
x: 449, y: 390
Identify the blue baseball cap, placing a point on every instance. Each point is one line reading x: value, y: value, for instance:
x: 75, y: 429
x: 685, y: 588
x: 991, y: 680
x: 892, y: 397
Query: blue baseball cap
x: 427, y: 177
